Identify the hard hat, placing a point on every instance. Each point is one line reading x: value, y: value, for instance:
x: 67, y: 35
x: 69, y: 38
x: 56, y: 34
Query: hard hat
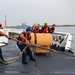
x: 45, y: 22
x: 29, y: 28
x: 0, y: 25
x: 36, y: 25
x: 54, y: 25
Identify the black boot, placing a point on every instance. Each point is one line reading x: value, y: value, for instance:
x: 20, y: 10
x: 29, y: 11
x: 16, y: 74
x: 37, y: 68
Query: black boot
x: 25, y: 62
x: 32, y: 59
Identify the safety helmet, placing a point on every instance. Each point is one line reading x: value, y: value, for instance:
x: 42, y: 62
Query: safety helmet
x: 0, y: 25
x: 45, y: 23
x: 54, y: 25
x: 36, y: 25
x: 29, y: 28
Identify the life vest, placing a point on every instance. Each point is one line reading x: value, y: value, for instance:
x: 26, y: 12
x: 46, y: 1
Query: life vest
x: 27, y: 36
x: 36, y: 31
x: 52, y: 30
x: 45, y: 30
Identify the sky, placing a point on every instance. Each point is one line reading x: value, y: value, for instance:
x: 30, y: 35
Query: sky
x: 37, y: 11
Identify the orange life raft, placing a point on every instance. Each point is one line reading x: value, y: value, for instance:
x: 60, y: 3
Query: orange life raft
x: 41, y: 39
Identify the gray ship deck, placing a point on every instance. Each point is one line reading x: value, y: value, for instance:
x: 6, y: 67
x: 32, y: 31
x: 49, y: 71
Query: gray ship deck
x: 46, y: 65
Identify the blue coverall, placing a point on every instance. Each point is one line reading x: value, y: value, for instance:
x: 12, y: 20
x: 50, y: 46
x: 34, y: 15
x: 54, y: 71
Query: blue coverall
x: 1, y: 57
x: 28, y: 51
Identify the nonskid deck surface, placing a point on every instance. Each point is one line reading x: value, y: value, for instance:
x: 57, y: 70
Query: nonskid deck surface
x: 45, y: 65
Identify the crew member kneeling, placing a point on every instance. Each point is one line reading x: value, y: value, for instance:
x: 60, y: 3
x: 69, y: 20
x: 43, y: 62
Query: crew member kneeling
x: 24, y: 37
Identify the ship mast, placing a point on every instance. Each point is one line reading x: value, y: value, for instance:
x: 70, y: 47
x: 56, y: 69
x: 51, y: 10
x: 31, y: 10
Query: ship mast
x: 5, y: 22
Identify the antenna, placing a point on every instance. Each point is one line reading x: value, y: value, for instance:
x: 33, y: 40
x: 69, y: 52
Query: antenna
x: 5, y: 22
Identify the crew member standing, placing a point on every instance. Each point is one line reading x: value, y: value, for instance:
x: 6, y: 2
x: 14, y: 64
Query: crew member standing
x: 52, y: 29
x: 45, y: 28
x: 2, y: 34
x: 36, y: 30
x: 25, y: 37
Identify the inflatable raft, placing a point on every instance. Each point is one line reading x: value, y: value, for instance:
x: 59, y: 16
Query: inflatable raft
x: 44, y: 40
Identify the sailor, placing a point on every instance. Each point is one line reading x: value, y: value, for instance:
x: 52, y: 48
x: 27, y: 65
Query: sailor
x: 52, y: 28
x: 45, y: 28
x: 2, y: 34
x: 36, y: 30
x: 25, y: 37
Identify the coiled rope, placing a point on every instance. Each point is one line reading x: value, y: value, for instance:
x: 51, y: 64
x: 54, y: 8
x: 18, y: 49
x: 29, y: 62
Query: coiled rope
x: 17, y: 56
